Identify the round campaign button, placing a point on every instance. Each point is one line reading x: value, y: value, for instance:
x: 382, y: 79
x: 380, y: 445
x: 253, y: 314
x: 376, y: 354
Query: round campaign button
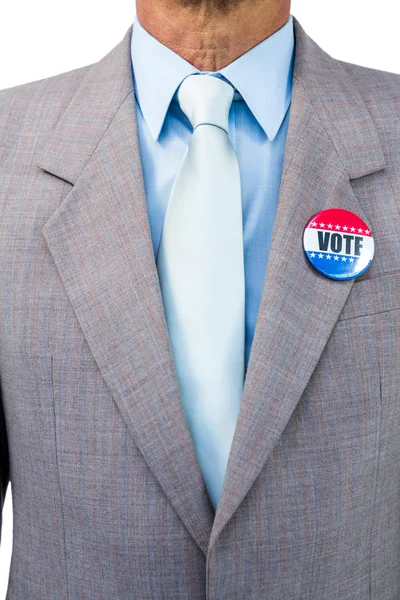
x: 338, y: 244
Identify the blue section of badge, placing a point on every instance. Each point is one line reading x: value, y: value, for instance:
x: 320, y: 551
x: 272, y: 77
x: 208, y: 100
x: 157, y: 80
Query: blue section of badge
x: 336, y: 266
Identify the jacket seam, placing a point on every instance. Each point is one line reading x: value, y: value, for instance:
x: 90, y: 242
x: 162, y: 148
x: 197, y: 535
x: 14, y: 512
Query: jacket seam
x: 368, y: 314
x: 64, y: 537
x: 376, y: 484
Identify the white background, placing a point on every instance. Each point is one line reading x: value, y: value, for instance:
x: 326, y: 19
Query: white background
x: 41, y: 38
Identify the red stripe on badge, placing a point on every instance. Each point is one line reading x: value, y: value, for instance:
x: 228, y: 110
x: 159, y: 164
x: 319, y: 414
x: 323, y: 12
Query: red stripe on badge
x: 339, y: 220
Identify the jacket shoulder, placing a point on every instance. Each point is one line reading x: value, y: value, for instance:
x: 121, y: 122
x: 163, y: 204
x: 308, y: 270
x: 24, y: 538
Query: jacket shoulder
x: 379, y: 89
x: 33, y: 108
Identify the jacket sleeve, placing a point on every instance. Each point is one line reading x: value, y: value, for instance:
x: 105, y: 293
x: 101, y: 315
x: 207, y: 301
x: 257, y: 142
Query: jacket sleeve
x: 4, y: 460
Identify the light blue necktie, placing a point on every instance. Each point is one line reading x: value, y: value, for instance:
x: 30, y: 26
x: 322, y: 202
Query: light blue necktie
x: 201, y: 270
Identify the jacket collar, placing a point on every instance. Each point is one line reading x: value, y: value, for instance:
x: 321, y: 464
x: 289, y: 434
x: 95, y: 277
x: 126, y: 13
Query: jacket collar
x: 340, y: 107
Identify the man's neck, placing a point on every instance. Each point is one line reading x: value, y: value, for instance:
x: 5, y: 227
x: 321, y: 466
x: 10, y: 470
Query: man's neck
x: 210, y: 40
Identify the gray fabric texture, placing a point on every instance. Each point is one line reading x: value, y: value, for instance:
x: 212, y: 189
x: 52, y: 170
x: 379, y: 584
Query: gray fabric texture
x: 108, y: 497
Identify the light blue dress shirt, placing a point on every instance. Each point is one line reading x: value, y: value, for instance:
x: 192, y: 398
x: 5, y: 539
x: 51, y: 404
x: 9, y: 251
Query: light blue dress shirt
x: 258, y: 120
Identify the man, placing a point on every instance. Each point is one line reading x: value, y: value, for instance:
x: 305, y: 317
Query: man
x: 193, y: 406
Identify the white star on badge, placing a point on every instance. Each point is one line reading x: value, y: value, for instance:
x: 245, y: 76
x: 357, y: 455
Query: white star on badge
x: 330, y: 226
x: 320, y: 256
x: 337, y: 226
x: 367, y: 231
x: 312, y: 254
x: 336, y: 258
x: 345, y: 228
x: 360, y: 230
x: 344, y: 259
x: 322, y: 224
x: 314, y: 224
x: 353, y: 229
x: 328, y: 257
x: 351, y: 259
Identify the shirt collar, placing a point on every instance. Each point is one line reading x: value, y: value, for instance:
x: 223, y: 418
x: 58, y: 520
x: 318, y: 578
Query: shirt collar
x: 262, y: 76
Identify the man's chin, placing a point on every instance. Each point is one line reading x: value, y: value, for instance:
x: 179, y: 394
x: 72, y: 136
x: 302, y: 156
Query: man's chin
x: 221, y: 6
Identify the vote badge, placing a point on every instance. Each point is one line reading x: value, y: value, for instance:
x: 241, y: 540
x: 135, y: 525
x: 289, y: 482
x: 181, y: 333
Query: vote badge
x: 338, y: 244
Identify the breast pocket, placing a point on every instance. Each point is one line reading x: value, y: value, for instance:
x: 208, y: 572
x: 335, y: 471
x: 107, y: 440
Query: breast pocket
x: 374, y: 295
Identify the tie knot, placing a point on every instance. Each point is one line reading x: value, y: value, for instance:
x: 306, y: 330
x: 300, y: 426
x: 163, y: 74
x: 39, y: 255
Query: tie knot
x: 206, y: 99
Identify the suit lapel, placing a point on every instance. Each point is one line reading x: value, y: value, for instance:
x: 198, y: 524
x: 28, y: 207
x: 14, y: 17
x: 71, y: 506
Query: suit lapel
x: 331, y: 139
x: 100, y: 241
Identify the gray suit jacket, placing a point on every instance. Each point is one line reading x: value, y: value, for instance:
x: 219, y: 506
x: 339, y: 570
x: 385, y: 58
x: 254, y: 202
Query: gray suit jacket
x: 108, y: 498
